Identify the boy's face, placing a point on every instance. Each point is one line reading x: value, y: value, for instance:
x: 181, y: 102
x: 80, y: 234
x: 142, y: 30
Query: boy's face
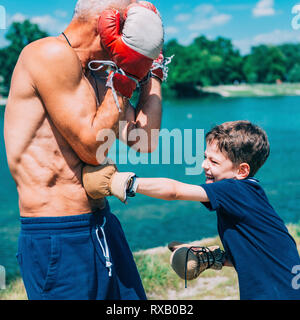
x: 217, y: 165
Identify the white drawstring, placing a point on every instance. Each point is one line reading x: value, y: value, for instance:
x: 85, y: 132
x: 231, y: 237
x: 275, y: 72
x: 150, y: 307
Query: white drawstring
x: 105, y: 250
x: 163, y: 66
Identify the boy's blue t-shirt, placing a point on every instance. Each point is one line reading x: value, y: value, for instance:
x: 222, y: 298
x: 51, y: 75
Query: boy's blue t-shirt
x: 255, y: 238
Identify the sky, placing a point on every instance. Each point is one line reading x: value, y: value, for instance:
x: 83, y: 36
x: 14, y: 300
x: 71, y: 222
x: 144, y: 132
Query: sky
x: 247, y: 23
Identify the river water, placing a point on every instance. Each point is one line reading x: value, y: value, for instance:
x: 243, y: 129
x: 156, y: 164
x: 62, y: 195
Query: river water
x: 149, y: 222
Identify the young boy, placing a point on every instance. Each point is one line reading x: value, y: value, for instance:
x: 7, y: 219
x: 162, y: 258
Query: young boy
x: 254, y: 237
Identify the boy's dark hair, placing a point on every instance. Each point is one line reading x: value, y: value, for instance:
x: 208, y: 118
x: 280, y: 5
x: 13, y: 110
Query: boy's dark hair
x: 243, y: 142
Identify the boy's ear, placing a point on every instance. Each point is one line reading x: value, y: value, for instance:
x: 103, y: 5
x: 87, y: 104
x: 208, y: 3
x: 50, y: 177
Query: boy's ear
x: 243, y: 171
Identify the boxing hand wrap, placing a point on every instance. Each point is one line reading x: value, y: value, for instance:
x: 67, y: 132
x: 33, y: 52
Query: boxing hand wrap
x: 117, y: 80
x: 105, y: 180
x: 159, y: 69
x: 133, y: 48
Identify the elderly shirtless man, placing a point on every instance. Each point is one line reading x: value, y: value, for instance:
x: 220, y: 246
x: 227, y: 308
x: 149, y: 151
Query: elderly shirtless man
x: 70, y: 246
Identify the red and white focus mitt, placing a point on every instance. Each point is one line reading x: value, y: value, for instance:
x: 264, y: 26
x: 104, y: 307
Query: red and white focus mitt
x: 132, y: 48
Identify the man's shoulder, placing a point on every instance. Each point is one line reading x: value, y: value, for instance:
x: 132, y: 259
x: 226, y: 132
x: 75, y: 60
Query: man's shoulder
x: 50, y: 58
x: 48, y: 45
x: 48, y: 52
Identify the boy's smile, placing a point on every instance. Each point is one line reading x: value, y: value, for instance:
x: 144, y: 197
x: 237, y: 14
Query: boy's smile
x: 217, y: 166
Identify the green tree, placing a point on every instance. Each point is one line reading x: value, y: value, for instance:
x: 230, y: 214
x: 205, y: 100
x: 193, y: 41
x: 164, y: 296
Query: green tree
x: 223, y: 62
x: 294, y: 73
x: 203, y: 63
x: 249, y: 70
x: 231, y: 67
x: 265, y: 64
x: 291, y: 51
x: 182, y: 79
x: 20, y: 35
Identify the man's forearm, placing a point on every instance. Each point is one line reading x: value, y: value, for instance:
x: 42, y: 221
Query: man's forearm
x: 149, y: 106
x: 147, y: 117
x: 103, y: 128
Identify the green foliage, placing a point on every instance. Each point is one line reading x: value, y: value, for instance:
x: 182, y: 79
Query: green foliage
x: 292, y: 55
x: 294, y: 74
x: 20, y: 35
x: 265, y: 64
x: 156, y: 273
x: 216, y: 62
x: 203, y: 63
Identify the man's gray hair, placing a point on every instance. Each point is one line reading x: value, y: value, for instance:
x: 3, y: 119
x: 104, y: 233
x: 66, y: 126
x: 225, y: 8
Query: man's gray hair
x: 88, y: 8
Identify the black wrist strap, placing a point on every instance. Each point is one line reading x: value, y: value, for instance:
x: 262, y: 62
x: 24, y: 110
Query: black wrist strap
x: 129, y: 191
x: 152, y: 75
x: 145, y: 80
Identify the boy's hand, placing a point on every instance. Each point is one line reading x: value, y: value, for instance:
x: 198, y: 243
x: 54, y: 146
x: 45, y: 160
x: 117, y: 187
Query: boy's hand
x: 105, y: 180
x: 189, y: 261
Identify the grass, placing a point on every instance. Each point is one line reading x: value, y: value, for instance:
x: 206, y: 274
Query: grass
x: 161, y: 282
x: 14, y: 291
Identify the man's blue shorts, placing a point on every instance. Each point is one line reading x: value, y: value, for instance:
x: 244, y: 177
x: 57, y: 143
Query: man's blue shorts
x: 83, y: 257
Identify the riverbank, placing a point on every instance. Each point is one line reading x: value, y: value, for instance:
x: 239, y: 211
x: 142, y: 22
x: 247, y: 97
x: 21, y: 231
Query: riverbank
x: 161, y: 282
x: 3, y: 102
x: 254, y: 90
x: 241, y: 90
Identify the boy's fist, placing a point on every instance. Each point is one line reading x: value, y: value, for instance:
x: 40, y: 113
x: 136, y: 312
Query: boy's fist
x: 105, y: 180
x: 189, y: 261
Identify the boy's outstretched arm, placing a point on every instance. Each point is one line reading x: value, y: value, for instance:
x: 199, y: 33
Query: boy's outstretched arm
x: 105, y: 180
x: 169, y: 189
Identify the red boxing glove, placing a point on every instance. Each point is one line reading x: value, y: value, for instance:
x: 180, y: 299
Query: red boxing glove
x: 135, y: 47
